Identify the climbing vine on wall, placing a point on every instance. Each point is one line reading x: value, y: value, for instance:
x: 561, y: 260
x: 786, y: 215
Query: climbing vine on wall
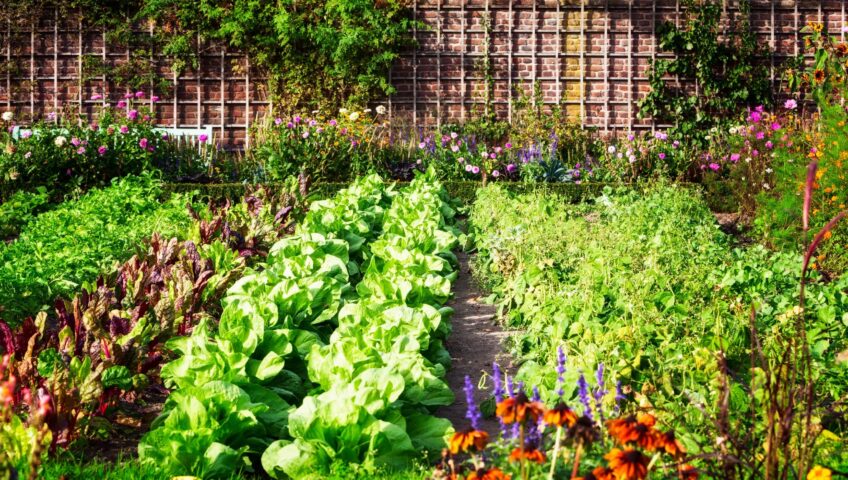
x: 726, y: 63
x: 314, y: 53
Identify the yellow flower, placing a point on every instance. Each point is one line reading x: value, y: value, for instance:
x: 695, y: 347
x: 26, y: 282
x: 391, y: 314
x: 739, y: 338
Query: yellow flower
x: 819, y: 473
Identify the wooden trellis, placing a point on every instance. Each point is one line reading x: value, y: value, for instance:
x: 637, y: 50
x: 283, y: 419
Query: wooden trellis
x: 590, y: 56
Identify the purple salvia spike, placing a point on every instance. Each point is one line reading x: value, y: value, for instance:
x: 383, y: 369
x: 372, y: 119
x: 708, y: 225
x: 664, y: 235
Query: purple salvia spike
x: 473, y: 413
x: 584, y: 396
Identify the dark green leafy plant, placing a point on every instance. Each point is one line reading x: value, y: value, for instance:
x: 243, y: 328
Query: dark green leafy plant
x: 724, y: 64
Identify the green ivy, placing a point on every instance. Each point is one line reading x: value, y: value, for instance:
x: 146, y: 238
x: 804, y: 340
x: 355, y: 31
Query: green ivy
x: 725, y: 64
x: 326, y: 53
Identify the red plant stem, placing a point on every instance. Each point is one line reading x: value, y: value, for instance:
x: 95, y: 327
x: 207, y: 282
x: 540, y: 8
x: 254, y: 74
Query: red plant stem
x: 577, y: 453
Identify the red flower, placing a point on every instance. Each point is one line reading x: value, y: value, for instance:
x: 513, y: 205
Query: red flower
x: 635, y: 430
x: 465, y: 441
x: 560, y: 415
x: 531, y: 454
x: 518, y: 409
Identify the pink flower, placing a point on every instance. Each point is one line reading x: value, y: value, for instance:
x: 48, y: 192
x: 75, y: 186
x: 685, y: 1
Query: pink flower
x: 775, y: 126
x: 278, y: 121
x: 312, y: 123
x: 422, y: 145
x: 461, y: 160
x: 139, y: 94
x: 290, y: 125
x: 475, y: 169
x: 28, y: 154
x: 80, y: 150
x: 761, y: 135
x: 75, y: 141
x: 26, y: 134
x: 128, y: 95
x: 468, y: 167
x: 454, y: 148
x: 132, y: 114
x: 508, y: 145
x: 714, y: 167
x: 662, y: 156
x: 305, y: 135
x: 124, y: 129
x: 121, y: 104
x: 769, y: 145
x: 453, y: 135
x: 791, y: 104
x: 146, y: 118
x: 97, y: 96
x: 510, y: 168
x: 143, y: 143
x: 297, y: 119
x: 202, y: 138
x: 333, y: 122
x: 755, y: 117
x: 102, y: 150
x: 154, y: 99
x: 493, y: 156
x: 631, y: 137
x: 734, y: 157
x: 496, y: 173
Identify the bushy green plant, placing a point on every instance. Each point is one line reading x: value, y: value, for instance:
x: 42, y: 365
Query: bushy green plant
x: 74, y: 243
x: 20, y: 209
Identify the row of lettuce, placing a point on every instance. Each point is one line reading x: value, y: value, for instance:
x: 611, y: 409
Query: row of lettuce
x: 647, y: 285
x: 93, y: 332
x: 332, y: 352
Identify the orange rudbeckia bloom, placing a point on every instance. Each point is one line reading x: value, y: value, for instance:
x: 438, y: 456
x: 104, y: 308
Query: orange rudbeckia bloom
x: 635, y: 430
x: 560, y: 415
x: 532, y: 454
x: 628, y: 464
x: 490, y: 474
x: 518, y: 409
x: 599, y: 473
x: 467, y: 440
x: 688, y: 472
x: 670, y: 444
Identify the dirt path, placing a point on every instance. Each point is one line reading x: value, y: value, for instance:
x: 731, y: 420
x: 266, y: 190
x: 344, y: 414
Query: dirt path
x: 476, y: 342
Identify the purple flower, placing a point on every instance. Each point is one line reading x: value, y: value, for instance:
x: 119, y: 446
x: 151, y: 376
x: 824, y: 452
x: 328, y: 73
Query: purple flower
x: 769, y: 145
x: 661, y: 136
x: 496, y: 173
x: 675, y: 144
x: 102, y: 150
x: 714, y: 167
x: 631, y: 137
x: 472, y: 413
x: 790, y: 104
x: 333, y: 122
x: 132, y: 114
x: 202, y: 138
x: 312, y: 123
x: 662, y: 156
x: 600, y: 392
x: 278, y: 121
x: 560, y: 369
x: 583, y: 392
x: 619, y: 396
x: 297, y: 119
x: 290, y: 125
x: 755, y: 117
x: 510, y: 168
x: 143, y: 143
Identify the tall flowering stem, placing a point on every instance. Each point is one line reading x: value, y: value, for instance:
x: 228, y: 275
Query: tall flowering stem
x: 560, y: 369
x: 584, y: 396
x: 472, y: 413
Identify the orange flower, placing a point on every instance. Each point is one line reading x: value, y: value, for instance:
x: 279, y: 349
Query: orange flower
x: 670, y: 444
x: 465, y: 441
x: 688, y: 472
x: 818, y: 75
x: 560, y: 415
x: 819, y: 473
x: 518, y: 409
x: 490, y: 474
x: 531, y: 454
x: 628, y: 464
x: 632, y: 430
x: 599, y: 473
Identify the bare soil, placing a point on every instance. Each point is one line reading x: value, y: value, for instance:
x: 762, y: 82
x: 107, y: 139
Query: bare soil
x: 476, y: 342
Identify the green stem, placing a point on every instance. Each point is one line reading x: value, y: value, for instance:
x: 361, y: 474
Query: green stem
x: 556, y: 452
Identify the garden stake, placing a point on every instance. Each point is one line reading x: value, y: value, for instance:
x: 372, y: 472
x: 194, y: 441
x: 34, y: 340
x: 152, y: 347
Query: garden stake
x: 577, y: 459
x: 556, y: 452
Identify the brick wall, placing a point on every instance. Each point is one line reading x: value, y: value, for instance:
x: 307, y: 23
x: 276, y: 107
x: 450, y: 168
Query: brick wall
x: 590, y: 55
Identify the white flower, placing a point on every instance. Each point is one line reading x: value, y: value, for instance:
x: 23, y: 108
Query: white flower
x: 315, y: 112
x: 8, y: 116
x: 732, y: 130
x: 354, y: 116
x: 367, y: 110
x: 343, y: 111
x: 611, y: 149
x: 632, y: 158
x: 747, y: 159
x: 766, y: 186
x: 768, y: 170
x: 60, y: 141
x: 381, y: 110
x: 484, y: 154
